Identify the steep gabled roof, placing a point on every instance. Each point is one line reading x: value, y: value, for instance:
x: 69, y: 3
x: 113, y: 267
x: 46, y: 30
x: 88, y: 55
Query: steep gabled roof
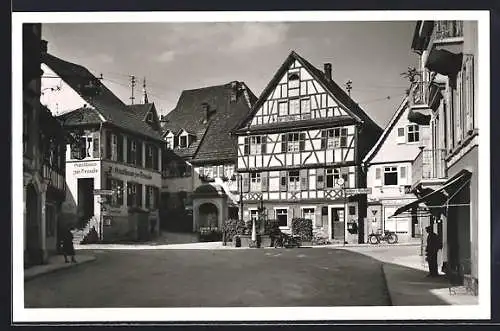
x: 80, y: 116
x: 388, y: 129
x: 213, y: 139
x: 107, y: 105
x: 141, y: 111
x: 338, y: 94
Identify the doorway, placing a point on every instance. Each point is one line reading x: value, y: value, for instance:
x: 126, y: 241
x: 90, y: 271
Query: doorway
x: 208, y: 215
x: 337, y: 220
x: 85, y: 200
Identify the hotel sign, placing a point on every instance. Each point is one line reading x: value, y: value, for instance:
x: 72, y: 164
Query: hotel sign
x: 85, y: 168
x: 353, y: 191
x: 132, y: 173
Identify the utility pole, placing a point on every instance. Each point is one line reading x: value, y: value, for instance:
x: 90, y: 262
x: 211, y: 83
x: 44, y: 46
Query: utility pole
x: 132, y: 85
x: 144, y: 93
x: 348, y: 87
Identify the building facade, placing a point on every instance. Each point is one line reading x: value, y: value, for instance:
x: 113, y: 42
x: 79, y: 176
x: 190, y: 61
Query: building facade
x: 113, y: 171
x: 443, y: 96
x: 301, y: 146
x: 200, y: 186
x: 389, y: 170
x: 44, y: 147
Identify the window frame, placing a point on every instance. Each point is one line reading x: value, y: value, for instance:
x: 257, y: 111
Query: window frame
x: 293, y: 181
x: 393, y: 170
x: 413, y: 131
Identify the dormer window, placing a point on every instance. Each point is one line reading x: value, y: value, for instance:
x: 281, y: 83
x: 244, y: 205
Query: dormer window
x: 183, y: 142
x: 149, y: 118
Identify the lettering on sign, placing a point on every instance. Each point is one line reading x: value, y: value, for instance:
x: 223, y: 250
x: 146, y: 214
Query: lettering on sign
x: 358, y: 190
x: 85, y: 168
x: 139, y: 173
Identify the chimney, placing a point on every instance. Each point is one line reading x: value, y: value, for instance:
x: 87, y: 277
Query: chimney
x: 205, y: 107
x: 43, y: 46
x: 328, y: 71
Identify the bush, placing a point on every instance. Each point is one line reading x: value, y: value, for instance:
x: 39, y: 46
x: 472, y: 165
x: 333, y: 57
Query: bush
x: 302, y: 227
x: 233, y: 227
x: 209, y: 234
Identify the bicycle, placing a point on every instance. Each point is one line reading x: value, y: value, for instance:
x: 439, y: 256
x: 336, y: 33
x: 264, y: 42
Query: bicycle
x: 287, y: 241
x: 389, y: 236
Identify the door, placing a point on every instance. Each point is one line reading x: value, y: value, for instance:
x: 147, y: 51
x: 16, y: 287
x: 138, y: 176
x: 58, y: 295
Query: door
x: 337, y: 219
x: 85, y: 199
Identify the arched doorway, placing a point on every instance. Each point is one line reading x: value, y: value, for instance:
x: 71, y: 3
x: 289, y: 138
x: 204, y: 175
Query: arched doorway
x: 209, y: 215
x: 33, y: 240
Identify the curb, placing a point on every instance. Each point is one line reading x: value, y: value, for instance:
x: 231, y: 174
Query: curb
x: 387, y: 287
x: 62, y: 267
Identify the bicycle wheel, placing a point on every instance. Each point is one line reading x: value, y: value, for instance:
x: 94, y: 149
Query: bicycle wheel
x: 373, y: 240
x: 392, y: 238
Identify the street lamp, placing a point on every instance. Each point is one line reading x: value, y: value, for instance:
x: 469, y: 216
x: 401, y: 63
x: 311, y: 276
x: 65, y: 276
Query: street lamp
x: 341, y: 182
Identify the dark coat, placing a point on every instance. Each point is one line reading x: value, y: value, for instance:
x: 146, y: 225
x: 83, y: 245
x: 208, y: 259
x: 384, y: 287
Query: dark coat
x: 67, y: 243
x: 433, y: 244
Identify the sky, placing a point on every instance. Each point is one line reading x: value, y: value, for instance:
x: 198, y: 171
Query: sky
x: 177, y: 56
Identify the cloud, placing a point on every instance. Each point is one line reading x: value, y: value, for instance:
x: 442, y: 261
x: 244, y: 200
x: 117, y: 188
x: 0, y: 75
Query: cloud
x: 166, y: 56
x: 256, y: 35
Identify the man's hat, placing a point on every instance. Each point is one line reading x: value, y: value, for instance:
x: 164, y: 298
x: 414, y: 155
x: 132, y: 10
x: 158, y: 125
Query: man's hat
x: 428, y: 227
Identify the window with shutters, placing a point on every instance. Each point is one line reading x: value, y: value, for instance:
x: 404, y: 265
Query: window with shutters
x: 413, y: 133
x: 332, y: 176
x: 293, y: 142
x: 293, y: 181
x: 335, y: 138
x: 256, y: 145
x: 255, y: 182
x: 310, y: 214
x: 390, y: 176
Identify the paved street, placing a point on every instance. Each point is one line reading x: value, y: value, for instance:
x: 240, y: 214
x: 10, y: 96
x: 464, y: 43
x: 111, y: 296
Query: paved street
x: 217, y: 278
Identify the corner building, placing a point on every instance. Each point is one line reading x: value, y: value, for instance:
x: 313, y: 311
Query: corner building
x: 304, y: 134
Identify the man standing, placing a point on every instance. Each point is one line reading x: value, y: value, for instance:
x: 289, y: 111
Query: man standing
x: 431, y: 250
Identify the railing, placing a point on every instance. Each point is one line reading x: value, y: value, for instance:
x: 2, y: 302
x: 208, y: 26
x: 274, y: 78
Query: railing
x: 419, y: 92
x: 429, y: 164
x: 448, y: 29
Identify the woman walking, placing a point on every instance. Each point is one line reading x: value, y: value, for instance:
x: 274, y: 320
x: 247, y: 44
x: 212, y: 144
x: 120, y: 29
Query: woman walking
x: 67, y: 245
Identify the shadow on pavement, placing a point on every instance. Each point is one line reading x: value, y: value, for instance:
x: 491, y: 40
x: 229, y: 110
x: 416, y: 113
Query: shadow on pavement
x: 412, y: 287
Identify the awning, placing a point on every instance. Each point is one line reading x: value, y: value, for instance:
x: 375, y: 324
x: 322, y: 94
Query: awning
x: 441, y: 196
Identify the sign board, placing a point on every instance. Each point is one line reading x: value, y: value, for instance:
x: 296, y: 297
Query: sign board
x: 353, y: 191
x: 104, y: 192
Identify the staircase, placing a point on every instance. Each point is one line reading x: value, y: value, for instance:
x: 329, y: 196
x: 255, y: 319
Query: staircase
x: 80, y: 234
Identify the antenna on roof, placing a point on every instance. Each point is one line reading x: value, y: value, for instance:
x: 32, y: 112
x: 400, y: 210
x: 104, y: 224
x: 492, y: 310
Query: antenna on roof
x: 144, y: 93
x: 348, y: 87
x: 132, y: 85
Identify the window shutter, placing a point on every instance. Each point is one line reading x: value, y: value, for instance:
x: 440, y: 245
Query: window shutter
x: 96, y: 144
x: 344, y: 173
x: 247, y: 146
x: 246, y: 182
x: 119, y: 147
x: 402, y: 175
x: 469, y: 92
x: 378, y: 177
x: 283, y: 181
x: 283, y: 143
x: 318, y: 222
x: 129, y: 150
x: 264, y: 144
x: 320, y: 173
x: 176, y: 141
x: 264, y: 181
x: 323, y: 139
x: 108, y: 144
x: 304, y: 179
x: 401, y: 136
x: 302, y: 141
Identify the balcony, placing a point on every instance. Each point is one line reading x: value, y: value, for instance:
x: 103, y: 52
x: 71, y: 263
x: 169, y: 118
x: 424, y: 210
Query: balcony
x: 448, y: 30
x: 420, y: 110
x: 56, y: 180
x: 429, y: 168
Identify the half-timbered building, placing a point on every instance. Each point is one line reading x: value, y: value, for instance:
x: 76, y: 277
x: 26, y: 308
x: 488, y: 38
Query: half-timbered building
x: 301, y: 147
